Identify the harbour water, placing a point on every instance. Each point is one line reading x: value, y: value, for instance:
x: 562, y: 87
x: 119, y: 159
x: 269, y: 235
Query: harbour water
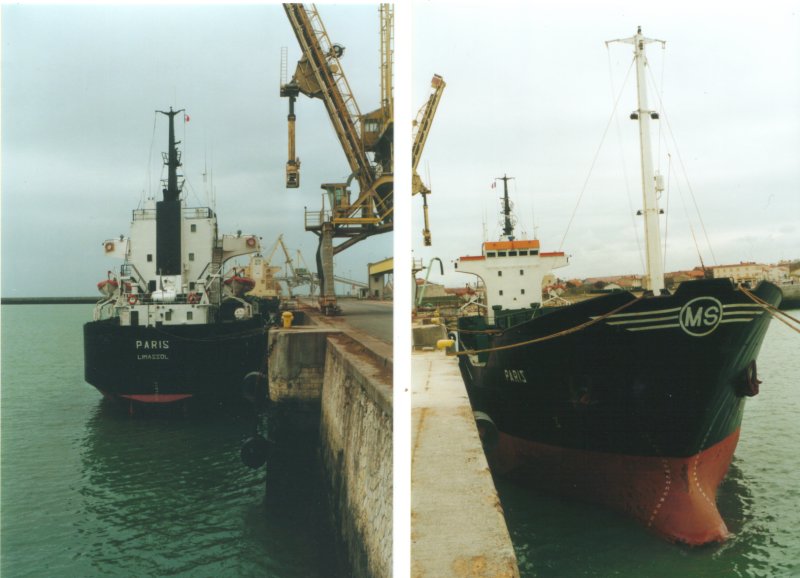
x: 89, y: 491
x: 759, y: 500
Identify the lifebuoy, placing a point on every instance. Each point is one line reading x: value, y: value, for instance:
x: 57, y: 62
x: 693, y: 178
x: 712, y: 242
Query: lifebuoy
x: 251, y: 242
x: 133, y: 299
x: 193, y: 298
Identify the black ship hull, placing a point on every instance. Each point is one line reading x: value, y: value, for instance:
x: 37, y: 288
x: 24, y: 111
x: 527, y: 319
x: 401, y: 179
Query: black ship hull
x: 640, y: 409
x: 205, y: 363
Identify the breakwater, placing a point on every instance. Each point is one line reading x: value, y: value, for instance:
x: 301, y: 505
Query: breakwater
x: 47, y: 300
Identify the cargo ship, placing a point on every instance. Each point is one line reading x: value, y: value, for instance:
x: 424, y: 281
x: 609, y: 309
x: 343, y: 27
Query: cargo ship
x: 633, y: 401
x: 172, y: 326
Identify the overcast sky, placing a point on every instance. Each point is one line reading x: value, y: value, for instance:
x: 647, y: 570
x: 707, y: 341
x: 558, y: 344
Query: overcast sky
x: 80, y: 85
x: 529, y: 94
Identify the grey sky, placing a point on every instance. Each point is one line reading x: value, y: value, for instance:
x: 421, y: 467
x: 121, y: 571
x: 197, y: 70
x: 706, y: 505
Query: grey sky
x: 80, y: 86
x: 529, y: 94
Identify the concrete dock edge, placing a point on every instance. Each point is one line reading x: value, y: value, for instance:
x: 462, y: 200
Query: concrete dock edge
x: 457, y: 523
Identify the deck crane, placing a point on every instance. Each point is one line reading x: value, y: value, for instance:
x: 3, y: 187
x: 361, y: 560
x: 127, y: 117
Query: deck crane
x: 288, y: 266
x: 293, y: 276
x: 420, y: 130
x: 319, y: 74
x: 271, y: 252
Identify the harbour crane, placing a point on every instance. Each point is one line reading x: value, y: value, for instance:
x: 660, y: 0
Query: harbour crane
x: 366, y: 140
x: 293, y: 276
x: 420, y: 130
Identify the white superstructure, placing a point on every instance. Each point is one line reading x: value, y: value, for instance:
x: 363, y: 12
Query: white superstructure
x: 512, y: 272
x: 173, y: 261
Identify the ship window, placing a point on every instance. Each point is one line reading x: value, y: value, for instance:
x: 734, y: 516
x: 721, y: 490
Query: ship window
x: 523, y: 253
x: 535, y: 252
x: 501, y: 253
x: 189, y: 315
x: 151, y: 285
x: 191, y: 256
x: 191, y: 285
x: 499, y: 273
x: 522, y: 291
x: 512, y: 253
x: 194, y: 228
x: 522, y: 271
x: 168, y: 316
x: 149, y: 257
x: 491, y: 254
x: 501, y: 292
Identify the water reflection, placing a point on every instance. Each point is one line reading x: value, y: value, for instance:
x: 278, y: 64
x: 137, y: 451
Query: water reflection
x: 760, y: 539
x: 558, y: 537
x: 170, y: 496
x: 296, y: 500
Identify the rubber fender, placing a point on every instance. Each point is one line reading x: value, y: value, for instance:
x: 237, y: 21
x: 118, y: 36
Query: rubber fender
x: 487, y: 430
x: 254, y: 452
x: 254, y: 388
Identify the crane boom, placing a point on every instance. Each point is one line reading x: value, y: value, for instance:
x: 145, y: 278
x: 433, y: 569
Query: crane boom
x: 387, y: 51
x: 422, y: 124
x: 419, y: 134
x: 320, y: 75
x: 272, y: 249
x: 288, y: 261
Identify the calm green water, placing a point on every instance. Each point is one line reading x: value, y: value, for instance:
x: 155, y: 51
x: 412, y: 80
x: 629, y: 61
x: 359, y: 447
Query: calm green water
x: 759, y: 500
x: 89, y: 491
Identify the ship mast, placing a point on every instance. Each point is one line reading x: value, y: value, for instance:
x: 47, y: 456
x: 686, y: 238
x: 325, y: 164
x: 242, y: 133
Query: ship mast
x: 171, y: 158
x: 650, y: 181
x: 168, y: 211
x: 508, y: 224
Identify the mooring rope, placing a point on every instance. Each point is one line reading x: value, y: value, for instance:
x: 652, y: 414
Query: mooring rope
x: 772, y: 310
x: 569, y: 331
x: 474, y: 331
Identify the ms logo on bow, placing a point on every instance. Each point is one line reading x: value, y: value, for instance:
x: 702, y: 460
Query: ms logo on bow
x: 700, y: 316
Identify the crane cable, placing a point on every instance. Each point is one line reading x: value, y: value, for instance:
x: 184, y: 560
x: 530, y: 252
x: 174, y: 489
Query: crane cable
x: 624, y: 165
x: 594, y: 160
x: 683, y: 167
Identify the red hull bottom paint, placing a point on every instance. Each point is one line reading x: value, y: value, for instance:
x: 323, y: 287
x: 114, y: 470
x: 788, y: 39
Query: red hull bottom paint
x: 675, y: 497
x: 158, y: 398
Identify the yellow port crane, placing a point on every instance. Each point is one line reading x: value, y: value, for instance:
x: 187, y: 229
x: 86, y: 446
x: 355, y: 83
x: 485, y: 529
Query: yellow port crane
x: 319, y: 74
x: 420, y: 130
x: 293, y: 276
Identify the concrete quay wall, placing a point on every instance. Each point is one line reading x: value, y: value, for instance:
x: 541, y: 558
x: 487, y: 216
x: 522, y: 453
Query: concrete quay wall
x: 356, y: 434
x: 296, y: 366
x: 346, y: 381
